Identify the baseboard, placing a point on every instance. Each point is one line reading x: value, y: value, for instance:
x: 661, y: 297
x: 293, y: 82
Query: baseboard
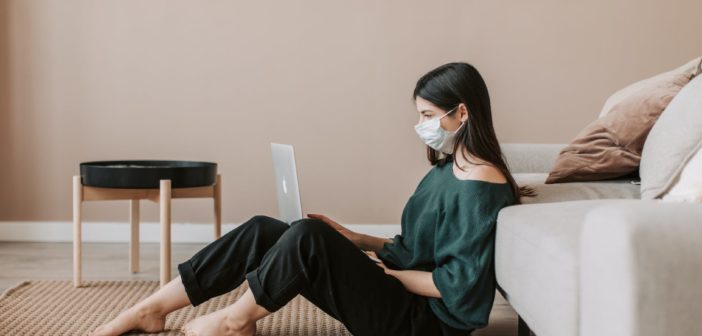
x: 149, y: 232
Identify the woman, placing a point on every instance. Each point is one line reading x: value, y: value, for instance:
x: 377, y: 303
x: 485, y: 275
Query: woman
x: 435, y: 278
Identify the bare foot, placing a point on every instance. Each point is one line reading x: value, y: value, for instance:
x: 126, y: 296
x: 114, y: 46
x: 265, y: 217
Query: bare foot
x: 218, y: 324
x: 135, y: 318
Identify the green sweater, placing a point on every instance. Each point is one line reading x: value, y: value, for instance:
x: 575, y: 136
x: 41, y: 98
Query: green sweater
x: 448, y: 228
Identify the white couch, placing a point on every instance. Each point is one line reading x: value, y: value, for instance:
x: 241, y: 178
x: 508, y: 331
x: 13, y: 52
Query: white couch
x: 592, y: 258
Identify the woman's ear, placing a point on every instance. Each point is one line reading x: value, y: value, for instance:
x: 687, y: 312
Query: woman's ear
x: 463, y: 112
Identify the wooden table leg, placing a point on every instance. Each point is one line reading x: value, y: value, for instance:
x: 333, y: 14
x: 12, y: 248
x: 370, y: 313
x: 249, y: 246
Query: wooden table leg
x: 165, y: 205
x: 77, y: 236
x: 134, y: 239
x: 218, y: 206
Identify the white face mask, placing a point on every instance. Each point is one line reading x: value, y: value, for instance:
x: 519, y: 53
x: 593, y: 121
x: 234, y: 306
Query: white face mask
x: 434, y: 136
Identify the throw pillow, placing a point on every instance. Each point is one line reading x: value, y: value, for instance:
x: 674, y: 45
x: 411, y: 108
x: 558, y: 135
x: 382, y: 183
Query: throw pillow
x: 688, y: 188
x: 672, y: 142
x: 611, y: 146
x: 617, y: 97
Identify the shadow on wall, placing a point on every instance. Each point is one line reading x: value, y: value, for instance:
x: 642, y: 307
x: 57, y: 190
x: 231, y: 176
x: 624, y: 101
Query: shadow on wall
x: 6, y: 155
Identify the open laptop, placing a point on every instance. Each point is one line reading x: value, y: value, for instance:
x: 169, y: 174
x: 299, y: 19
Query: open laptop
x: 289, y: 205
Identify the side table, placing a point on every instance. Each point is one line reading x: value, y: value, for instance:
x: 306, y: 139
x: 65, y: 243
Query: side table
x: 162, y: 195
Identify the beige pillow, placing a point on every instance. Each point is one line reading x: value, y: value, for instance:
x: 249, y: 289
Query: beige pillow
x: 672, y: 142
x: 690, y: 67
x: 688, y: 188
x: 611, y: 146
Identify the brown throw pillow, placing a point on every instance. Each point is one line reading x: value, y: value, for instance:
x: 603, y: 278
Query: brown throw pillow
x: 611, y: 146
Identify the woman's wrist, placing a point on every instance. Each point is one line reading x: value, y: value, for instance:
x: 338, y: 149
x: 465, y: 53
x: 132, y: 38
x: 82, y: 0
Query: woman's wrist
x: 365, y: 242
x: 360, y: 240
x: 393, y: 272
x: 370, y: 243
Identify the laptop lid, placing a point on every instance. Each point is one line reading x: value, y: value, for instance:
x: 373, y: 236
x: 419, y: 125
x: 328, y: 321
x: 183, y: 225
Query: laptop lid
x: 289, y: 205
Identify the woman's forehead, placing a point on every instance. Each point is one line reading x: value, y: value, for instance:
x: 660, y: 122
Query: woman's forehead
x: 425, y: 105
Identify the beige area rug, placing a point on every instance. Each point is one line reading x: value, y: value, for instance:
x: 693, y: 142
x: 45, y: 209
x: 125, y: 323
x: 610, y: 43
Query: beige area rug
x: 57, y: 308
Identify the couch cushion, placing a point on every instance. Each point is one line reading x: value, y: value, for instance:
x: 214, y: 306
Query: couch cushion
x: 561, y: 192
x: 673, y: 140
x: 536, y: 262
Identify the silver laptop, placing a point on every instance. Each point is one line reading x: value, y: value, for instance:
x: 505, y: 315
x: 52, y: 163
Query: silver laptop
x: 289, y: 205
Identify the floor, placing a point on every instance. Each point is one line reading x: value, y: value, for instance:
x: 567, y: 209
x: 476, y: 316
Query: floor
x: 109, y: 261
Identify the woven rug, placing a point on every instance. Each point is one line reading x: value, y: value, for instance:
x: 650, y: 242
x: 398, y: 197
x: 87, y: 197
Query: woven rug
x: 57, y: 308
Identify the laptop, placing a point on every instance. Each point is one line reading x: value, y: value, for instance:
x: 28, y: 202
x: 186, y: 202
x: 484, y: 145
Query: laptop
x: 289, y: 205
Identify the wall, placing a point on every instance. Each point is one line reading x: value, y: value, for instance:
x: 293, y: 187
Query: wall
x: 219, y: 80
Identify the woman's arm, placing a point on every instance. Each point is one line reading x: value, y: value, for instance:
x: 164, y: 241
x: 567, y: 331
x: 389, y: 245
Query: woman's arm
x: 363, y: 241
x: 370, y: 243
x: 417, y: 282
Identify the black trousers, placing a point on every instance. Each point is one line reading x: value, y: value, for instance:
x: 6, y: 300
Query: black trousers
x: 311, y: 259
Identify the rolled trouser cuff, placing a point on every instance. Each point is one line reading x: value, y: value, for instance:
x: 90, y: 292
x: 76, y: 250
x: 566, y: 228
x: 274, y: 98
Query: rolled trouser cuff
x: 261, y: 297
x: 192, y: 287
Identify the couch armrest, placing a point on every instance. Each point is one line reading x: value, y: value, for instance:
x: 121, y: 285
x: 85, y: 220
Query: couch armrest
x: 641, y: 269
x: 531, y: 158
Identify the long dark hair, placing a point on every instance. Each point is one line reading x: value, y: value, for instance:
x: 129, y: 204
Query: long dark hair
x: 450, y: 85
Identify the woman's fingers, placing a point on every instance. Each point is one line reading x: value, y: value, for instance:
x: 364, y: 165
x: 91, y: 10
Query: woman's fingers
x: 320, y: 217
x: 373, y: 256
x: 316, y: 216
x: 350, y: 235
x: 324, y: 219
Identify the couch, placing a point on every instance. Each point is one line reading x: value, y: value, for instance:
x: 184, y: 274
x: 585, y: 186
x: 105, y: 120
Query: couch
x: 593, y: 258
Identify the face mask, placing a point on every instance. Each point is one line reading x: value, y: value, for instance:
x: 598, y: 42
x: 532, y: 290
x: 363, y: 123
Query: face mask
x: 434, y: 136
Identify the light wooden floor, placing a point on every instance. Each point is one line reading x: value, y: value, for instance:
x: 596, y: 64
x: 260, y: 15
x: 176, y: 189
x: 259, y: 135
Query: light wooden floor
x: 109, y: 261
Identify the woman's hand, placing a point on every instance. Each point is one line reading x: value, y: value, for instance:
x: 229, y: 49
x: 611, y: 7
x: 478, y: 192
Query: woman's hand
x: 350, y: 235
x: 417, y: 282
x: 362, y: 241
x: 380, y: 263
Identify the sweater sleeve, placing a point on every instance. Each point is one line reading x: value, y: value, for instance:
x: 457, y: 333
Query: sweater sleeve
x: 395, y: 253
x: 463, y: 255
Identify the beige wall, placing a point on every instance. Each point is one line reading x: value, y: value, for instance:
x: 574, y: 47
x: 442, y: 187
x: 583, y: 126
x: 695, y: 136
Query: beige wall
x: 219, y: 80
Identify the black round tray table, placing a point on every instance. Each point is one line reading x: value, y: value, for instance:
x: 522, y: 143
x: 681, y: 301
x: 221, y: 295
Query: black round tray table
x: 158, y: 181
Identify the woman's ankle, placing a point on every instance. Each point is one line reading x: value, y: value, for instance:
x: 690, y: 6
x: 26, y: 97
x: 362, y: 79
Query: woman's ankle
x: 236, y: 323
x: 146, y: 309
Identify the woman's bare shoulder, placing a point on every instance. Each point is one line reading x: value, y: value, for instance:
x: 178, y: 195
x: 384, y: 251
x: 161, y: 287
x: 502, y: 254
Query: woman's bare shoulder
x: 488, y: 173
